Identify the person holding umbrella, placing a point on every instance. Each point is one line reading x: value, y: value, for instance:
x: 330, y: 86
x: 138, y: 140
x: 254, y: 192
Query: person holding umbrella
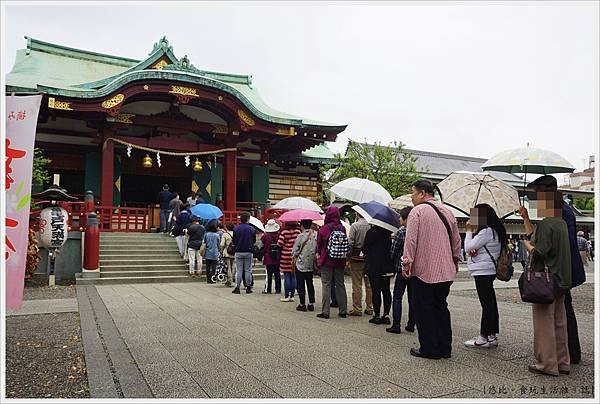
x: 549, y: 248
x: 547, y: 183
x: 484, y: 241
x: 378, y: 263
x: 286, y: 240
x: 332, y: 250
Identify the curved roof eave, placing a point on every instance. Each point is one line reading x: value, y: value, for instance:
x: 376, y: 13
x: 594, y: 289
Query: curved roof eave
x: 185, y: 77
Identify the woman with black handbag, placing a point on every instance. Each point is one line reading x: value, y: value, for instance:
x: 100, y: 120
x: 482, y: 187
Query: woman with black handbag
x: 550, y: 254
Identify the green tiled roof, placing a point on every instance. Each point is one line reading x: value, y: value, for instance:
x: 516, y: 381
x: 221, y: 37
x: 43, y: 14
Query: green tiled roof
x: 59, y: 70
x: 319, y: 154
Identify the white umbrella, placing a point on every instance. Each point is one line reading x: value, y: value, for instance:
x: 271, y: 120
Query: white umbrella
x: 463, y: 190
x: 401, y: 202
x: 297, y: 202
x: 256, y: 223
x: 361, y: 190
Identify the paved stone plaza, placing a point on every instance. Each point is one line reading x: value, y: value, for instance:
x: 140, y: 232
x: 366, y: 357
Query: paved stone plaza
x: 196, y: 340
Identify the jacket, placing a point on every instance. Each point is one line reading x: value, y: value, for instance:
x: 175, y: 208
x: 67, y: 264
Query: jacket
x: 164, y: 197
x: 332, y: 222
x: 552, y: 248
x: 226, y: 239
x: 356, y: 236
x: 268, y: 239
x: 244, y: 237
x: 377, y: 246
x: 196, y: 236
x: 305, y: 259
x: 212, y: 241
x: 286, y: 241
x: 577, y: 271
x: 481, y: 263
x: 182, y: 222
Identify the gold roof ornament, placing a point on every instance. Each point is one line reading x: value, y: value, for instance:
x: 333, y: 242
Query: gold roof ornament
x: 197, y: 166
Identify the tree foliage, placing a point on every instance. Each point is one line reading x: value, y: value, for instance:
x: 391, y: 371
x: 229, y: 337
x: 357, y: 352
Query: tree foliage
x: 40, y: 172
x: 584, y: 203
x: 390, y: 166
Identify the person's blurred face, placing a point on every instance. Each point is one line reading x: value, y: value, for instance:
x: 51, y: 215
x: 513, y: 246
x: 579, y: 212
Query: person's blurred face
x: 402, y: 221
x: 478, y: 218
x: 417, y: 196
x: 545, y: 205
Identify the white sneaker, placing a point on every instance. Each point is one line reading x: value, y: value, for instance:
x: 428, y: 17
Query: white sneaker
x: 285, y: 299
x: 291, y: 299
x: 493, y: 340
x: 478, y: 342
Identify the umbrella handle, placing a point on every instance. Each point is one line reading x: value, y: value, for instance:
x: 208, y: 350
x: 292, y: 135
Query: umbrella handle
x: 524, y: 185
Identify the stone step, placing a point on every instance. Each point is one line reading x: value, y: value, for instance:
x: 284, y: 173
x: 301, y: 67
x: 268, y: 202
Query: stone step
x: 142, y: 267
x: 135, y: 244
x: 151, y: 279
x: 120, y: 263
x: 142, y: 274
x: 137, y: 252
x: 121, y: 255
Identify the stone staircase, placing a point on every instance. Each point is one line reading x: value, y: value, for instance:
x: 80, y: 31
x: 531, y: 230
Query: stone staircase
x: 144, y: 258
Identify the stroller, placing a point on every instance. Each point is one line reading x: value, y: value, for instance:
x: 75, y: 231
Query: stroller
x: 221, y: 272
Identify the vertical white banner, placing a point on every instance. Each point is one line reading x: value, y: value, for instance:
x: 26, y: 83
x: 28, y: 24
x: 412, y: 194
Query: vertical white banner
x: 21, y: 122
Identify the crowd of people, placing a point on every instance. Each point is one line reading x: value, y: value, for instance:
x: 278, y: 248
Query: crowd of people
x: 422, y: 257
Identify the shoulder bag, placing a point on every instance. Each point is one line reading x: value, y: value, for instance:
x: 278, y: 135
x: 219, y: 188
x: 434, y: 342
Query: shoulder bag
x: 537, y: 287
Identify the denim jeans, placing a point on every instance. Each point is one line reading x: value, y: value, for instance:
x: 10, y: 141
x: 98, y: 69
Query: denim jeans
x: 400, y: 285
x: 289, y: 284
x: 243, y: 265
x: 164, y: 218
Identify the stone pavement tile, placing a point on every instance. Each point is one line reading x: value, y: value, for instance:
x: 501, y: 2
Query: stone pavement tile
x: 149, y: 354
x: 481, y: 360
x: 378, y: 390
x: 340, y: 375
x: 305, y: 386
x: 466, y: 394
x: 169, y: 380
x: 424, y: 384
x: 233, y: 344
x: 44, y: 306
x: 264, y: 365
x: 231, y: 381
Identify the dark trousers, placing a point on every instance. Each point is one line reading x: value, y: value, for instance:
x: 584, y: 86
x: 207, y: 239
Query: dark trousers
x: 433, y: 317
x: 400, y: 285
x: 380, y: 285
x: 333, y: 295
x: 273, y: 273
x: 304, y: 282
x: 489, y: 307
x: 572, y: 331
x: 211, y: 269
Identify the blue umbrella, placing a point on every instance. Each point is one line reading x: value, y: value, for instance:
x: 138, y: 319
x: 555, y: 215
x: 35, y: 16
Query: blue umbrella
x: 378, y: 214
x: 206, y: 211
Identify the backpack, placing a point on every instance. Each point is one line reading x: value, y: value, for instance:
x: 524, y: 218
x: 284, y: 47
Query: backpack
x: 338, y: 244
x: 275, y: 251
x: 504, y: 266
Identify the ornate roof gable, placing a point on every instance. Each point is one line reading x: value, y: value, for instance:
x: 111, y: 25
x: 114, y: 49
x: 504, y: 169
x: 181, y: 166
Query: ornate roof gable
x: 160, y: 57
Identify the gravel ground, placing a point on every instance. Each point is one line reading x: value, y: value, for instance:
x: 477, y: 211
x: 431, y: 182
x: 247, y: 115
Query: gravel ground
x: 44, y: 357
x: 37, y: 288
x: 583, y: 297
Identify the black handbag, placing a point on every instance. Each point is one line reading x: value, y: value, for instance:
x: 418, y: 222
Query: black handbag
x: 538, y: 287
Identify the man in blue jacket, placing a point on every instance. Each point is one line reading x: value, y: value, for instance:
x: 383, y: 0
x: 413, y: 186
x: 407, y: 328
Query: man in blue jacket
x: 244, y: 237
x: 164, y: 197
x: 548, y: 183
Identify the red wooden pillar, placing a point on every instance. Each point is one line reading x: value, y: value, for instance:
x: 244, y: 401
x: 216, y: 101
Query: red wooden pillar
x: 230, y: 168
x: 106, y: 184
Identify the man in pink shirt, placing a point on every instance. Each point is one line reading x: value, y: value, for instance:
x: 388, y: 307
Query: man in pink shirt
x: 430, y: 259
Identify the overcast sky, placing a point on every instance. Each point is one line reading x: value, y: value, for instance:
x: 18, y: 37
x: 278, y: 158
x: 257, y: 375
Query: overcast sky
x: 459, y: 78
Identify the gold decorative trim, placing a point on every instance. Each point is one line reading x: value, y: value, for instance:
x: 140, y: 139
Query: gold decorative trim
x: 245, y: 118
x: 55, y: 104
x: 114, y: 101
x: 190, y: 92
x: 286, y: 132
x: 220, y: 129
x: 146, y: 87
x: 124, y: 118
x: 160, y: 64
x: 220, y: 98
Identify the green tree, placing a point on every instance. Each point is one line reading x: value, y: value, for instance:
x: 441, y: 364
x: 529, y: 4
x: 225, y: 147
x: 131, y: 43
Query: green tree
x: 584, y: 203
x: 40, y: 173
x: 390, y: 166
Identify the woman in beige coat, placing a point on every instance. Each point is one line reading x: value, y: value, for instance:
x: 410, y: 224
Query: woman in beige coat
x: 226, y: 240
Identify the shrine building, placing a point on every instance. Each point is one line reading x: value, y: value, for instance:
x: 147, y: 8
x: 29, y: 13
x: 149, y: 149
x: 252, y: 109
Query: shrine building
x: 123, y: 127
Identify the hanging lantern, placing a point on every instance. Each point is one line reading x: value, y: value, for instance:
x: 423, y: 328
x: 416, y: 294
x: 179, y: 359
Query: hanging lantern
x: 197, y: 166
x: 147, y: 162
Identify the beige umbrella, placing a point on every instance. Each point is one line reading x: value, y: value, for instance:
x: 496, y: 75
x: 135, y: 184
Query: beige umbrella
x: 463, y: 190
x: 401, y: 202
